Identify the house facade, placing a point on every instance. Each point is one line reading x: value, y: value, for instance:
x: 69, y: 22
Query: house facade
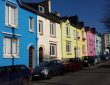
x: 68, y: 39
x: 98, y: 43
x: 106, y: 43
x: 49, y: 32
x: 18, y: 34
x: 90, y: 35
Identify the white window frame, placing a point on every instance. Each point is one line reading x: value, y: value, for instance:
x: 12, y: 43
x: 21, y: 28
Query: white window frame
x: 53, y: 53
x: 11, y: 16
x: 40, y: 26
x: 52, y: 29
x: 41, y: 7
x: 31, y: 24
x: 68, y: 47
x: 9, y: 45
x: 67, y: 31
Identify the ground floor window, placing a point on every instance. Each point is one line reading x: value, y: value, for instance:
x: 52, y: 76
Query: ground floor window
x: 53, y: 50
x: 11, y: 47
x: 68, y: 47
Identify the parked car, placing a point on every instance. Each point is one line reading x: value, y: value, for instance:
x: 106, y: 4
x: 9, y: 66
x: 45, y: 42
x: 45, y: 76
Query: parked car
x: 104, y: 57
x: 14, y: 75
x: 47, y: 69
x: 97, y: 59
x: 88, y: 60
x: 73, y: 64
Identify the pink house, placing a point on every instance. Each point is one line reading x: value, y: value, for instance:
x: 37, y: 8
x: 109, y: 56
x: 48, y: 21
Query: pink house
x: 90, y: 35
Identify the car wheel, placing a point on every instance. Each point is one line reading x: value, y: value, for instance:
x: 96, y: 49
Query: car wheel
x: 25, y: 81
x: 49, y: 75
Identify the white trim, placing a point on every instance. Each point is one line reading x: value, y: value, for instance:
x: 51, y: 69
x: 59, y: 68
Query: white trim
x: 11, y: 34
x: 31, y: 44
x: 11, y: 2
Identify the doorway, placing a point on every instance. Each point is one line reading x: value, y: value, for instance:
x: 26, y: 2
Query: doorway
x: 31, y: 58
x: 41, y: 56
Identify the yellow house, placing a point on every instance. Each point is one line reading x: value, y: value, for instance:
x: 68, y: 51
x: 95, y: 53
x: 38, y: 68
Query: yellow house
x: 68, y: 39
x: 81, y: 40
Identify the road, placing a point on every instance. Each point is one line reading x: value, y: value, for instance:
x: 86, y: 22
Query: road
x: 94, y: 75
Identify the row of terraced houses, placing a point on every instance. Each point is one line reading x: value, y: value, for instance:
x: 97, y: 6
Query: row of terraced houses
x: 31, y: 33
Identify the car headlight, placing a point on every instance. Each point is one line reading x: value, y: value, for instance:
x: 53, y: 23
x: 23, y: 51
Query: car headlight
x: 44, y: 71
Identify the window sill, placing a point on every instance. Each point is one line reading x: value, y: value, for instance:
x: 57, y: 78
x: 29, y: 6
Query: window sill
x: 53, y: 36
x: 69, y: 53
x: 14, y: 27
x: 10, y: 57
x: 68, y: 36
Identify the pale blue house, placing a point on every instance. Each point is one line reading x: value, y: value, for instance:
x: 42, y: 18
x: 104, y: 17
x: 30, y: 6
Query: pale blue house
x: 98, y: 43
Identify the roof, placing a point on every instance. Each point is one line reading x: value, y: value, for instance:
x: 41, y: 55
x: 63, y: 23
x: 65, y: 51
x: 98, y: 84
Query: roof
x: 46, y: 14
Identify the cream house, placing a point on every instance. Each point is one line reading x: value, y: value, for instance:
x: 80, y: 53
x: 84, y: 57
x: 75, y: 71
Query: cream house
x: 49, y: 33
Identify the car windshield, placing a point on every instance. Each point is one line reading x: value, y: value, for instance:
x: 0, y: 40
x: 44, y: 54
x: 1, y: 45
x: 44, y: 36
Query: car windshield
x: 44, y: 63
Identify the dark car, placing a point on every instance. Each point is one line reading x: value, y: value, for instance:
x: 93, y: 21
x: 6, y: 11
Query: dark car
x: 88, y: 60
x: 73, y: 64
x: 14, y: 75
x: 47, y: 69
x: 97, y: 59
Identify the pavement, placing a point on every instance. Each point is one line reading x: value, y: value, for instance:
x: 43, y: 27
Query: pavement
x: 95, y: 75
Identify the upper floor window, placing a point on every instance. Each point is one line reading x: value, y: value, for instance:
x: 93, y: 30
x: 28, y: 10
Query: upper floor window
x: 67, y: 31
x: 74, y: 34
x: 40, y: 27
x: 31, y: 24
x: 83, y: 34
x: 11, y: 47
x: 41, y: 9
x: 11, y: 16
x: 52, y: 29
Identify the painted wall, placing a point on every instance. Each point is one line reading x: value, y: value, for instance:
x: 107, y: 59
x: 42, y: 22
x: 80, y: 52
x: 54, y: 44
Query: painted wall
x: 26, y: 38
x: 66, y: 39
x: 90, y: 43
x: 45, y: 39
x: 98, y: 44
x: 81, y: 41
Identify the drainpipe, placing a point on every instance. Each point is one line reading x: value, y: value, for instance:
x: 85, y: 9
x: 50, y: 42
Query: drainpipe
x: 13, y: 36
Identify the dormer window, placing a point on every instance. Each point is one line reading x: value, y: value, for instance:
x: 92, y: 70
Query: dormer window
x: 41, y: 9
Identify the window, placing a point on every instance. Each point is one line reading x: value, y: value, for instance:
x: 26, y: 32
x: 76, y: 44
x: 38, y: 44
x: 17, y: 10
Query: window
x: 77, y: 34
x: 68, y: 47
x: 82, y: 34
x: 41, y: 9
x: 40, y: 27
x: 11, y: 16
x: 31, y: 24
x: 74, y: 34
x: 52, y: 29
x: 53, y: 49
x: 67, y: 31
x: 83, y: 49
x: 11, y: 47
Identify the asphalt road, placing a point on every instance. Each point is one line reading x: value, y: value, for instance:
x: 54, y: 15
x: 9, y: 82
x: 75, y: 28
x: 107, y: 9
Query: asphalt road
x: 94, y: 75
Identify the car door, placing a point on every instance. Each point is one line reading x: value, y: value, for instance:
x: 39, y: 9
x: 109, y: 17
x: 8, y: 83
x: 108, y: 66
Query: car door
x: 59, y: 66
x: 53, y: 67
x: 4, y: 77
x: 14, y: 76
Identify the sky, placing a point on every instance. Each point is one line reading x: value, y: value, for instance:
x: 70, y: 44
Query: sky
x: 90, y: 12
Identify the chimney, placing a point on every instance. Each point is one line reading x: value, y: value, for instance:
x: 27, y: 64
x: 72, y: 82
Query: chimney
x: 57, y: 14
x: 49, y: 6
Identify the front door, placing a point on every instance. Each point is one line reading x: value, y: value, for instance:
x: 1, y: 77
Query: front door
x: 40, y: 54
x: 31, y: 56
